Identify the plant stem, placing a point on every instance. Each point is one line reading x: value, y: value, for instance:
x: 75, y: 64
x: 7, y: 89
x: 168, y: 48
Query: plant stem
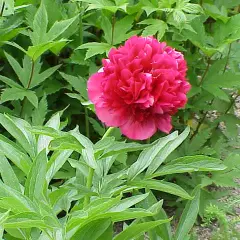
x: 234, y: 99
x: 31, y: 75
x: 91, y: 171
x: 231, y: 104
x: 199, y: 125
x: 200, y: 122
x: 28, y: 86
x: 205, y: 73
x: 88, y: 185
x: 107, y: 133
x: 228, y: 55
x: 2, y: 9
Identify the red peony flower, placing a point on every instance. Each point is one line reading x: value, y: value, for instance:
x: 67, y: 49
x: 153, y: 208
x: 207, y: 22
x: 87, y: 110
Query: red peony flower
x: 140, y: 87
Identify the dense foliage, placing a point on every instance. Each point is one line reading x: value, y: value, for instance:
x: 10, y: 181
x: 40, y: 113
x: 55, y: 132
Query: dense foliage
x: 64, y: 175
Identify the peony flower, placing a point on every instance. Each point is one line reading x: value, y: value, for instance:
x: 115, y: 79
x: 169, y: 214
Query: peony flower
x: 140, y: 87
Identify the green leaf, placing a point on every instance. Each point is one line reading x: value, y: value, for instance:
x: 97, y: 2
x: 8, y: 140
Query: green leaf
x: 52, y: 124
x: 16, y: 46
x: 198, y: 141
x: 39, y: 113
x: 78, y: 83
x: 80, y: 165
x: 17, y: 68
x: 107, y: 234
x: 148, y: 155
x: 36, y: 179
x: 128, y: 202
x: 10, y: 82
x: 164, y: 153
x: 179, y: 16
x: 136, y: 230
x: 3, y: 217
x: 84, y: 141
x: 66, y: 143
x: 189, y: 216
x: 11, y: 33
x: 10, y: 94
x: 56, y: 162
x: 123, y: 147
x: 40, y: 24
x: 39, y: 78
x: 99, y: 226
x: 34, y: 52
x: 58, y: 28
x: 17, y: 128
x: 163, y: 230
x: 9, y: 8
x: 25, y: 220
x: 14, y: 198
x: 215, y: 82
x: 190, y: 164
x: 105, y: 4
x: 192, y: 8
x: 88, y: 157
x: 81, y: 218
x: 97, y: 126
x: 215, y: 13
x: 95, y: 48
x: 162, y: 186
x: 121, y: 28
x: 12, y: 152
x: 8, y: 175
x: 32, y: 97
x: 155, y: 26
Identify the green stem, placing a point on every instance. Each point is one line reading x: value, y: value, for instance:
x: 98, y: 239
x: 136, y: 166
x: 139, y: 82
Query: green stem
x: 231, y: 104
x: 206, y: 71
x: 228, y: 55
x: 2, y: 9
x: 31, y: 75
x: 91, y: 171
x: 201, y: 122
x: 139, y: 14
x: 88, y: 185
x: 107, y: 133
x: 148, y: 141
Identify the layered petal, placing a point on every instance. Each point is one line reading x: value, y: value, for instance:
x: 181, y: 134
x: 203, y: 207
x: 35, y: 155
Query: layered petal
x: 112, y: 118
x: 140, y: 87
x: 163, y: 123
x: 94, y: 86
x: 139, y: 130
